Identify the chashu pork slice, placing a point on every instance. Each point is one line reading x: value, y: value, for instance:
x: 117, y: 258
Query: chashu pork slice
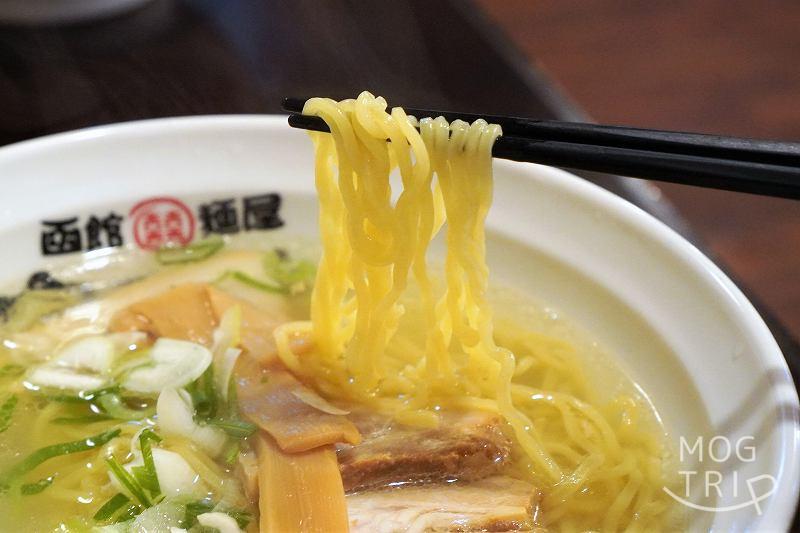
x: 497, y: 503
x: 465, y: 446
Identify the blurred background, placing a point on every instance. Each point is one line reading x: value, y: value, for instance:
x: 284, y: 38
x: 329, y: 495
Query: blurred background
x: 713, y: 66
x: 721, y: 66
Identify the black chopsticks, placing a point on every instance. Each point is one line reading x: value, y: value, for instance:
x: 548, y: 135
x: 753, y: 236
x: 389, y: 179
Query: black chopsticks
x: 746, y: 165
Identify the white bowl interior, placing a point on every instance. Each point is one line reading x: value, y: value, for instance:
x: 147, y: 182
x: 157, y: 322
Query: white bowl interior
x: 677, y: 325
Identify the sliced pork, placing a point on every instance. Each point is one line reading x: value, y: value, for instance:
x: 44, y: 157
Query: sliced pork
x: 497, y: 503
x: 465, y: 446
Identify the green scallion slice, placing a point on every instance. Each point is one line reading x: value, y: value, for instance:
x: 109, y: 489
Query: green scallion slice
x: 127, y: 480
x: 242, y: 517
x: 129, y: 513
x: 146, y: 475
x: 204, y: 395
x: 289, y: 272
x: 29, y: 489
x: 55, y: 450
x: 84, y: 419
x: 111, y: 507
x: 7, y: 411
x: 250, y: 281
x: 188, y: 254
x: 193, y: 509
x: 113, y: 405
x: 231, y: 452
x: 235, y: 428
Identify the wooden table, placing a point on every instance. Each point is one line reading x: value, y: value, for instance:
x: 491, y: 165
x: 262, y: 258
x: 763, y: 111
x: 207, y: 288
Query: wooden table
x: 189, y: 57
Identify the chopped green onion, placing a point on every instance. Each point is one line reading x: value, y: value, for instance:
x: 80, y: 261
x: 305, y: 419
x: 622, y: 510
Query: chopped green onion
x: 7, y: 411
x: 63, y: 398
x: 127, y: 480
x: 48, y: 452
x: 231, y: 452
x: 85, y: 419
x: 242, y: 517
x: 288, y: 272
x: 250, y: 281
x: 113, y: 405
x: 142, y: 477
x: 235, y: 428
x: 194, y: 252
x: 146, y: 475
x: 193, y: 509
x: 29, y: 489
x: 204, y: 395
x: 108, y: 400
x: 130, y: 512
x: 111, y: 507
x: 11, y: 370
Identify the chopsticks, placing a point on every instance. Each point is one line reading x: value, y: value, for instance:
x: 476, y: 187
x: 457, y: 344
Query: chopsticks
x: 763, y: 167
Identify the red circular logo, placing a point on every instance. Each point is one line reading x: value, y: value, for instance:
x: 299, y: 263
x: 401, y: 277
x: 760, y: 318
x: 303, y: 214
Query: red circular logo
x: 160, y: 221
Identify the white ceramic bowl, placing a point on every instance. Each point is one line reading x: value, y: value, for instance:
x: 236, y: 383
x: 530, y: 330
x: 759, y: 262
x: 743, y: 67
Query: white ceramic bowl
x: 678, y: 325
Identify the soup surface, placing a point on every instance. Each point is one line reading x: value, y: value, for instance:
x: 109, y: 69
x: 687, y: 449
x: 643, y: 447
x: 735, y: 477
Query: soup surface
x: 135, y: 390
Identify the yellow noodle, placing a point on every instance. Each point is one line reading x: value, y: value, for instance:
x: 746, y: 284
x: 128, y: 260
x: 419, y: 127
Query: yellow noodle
x: 597, y: 467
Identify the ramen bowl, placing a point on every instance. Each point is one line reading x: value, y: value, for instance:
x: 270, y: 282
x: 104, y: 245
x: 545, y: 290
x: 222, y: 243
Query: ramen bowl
x: 675, y: 324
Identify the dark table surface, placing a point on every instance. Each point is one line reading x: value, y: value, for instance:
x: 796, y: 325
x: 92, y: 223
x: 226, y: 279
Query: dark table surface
x: 189, y: 57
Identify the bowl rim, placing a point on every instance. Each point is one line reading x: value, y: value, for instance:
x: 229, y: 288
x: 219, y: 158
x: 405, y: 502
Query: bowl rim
x: 785, y: 502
